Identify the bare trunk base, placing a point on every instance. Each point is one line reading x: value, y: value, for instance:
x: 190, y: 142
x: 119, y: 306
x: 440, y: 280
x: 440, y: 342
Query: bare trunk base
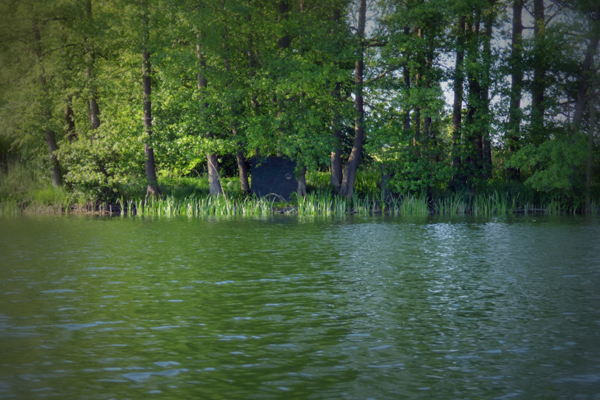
x: 152, y: 189
x: 302, y: 181
x: 347, y: 186
x: 56, y: 173
x: 243, y: 170
x: 214, y: 180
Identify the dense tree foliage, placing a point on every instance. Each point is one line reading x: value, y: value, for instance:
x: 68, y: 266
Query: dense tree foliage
x: 439, y: 95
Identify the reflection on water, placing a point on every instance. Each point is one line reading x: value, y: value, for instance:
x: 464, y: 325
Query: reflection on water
x: 359, y: 308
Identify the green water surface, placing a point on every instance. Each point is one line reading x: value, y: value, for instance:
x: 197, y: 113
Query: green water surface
x: 293, y: 308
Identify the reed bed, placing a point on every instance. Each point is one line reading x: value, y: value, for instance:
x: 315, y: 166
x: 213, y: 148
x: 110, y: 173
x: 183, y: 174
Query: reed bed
x: 317, y: 203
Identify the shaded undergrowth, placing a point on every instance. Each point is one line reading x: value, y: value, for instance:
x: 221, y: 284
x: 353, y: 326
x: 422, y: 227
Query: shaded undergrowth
x: 24, y: 192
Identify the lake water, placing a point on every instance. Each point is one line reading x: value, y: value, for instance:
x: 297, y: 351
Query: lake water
x: 293, y: 308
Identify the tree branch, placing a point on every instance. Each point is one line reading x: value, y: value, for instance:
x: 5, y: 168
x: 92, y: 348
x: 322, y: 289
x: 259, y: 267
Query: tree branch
x: 384, y: 73
x: 58, y: 48
x: 560, y: 8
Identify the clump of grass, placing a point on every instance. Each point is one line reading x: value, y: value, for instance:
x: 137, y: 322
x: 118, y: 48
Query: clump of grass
x: 368, y: 183
x: 16, y: 182
x: 24, y: 191
x: 409, y: 205
x: 9, y: 207
x: 196, y: 206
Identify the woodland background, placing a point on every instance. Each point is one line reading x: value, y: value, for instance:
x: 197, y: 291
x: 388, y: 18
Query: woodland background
x: 460, y: 96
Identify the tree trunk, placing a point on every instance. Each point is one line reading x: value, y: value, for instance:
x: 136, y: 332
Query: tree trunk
x: 301, y: 178
x: 474, y: 151
x: 588, y: 166
x: 458, y: 94
x: 514, y: 117
x: 56, y: 173
x: 240, y: 157
x: 243, y: 171
x: 152, y: 189
x: 417, y: 117
x: 214, y: 180
x: 485, y: 93
x: 585, y: 78
x: 212, y: 161
x: 336, y: 154
x: 539, y: 73
x: 584, y: 96
x: 92, y: 94
x: 93, y: 109
x: 428, y: 134
x: 347, y: 186
x: 406, y: 78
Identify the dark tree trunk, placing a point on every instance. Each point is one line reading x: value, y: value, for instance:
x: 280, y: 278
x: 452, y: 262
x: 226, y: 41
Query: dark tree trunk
x: 301, y: 178
x: 427, y: 133
x: 588, y: 166
x: 93, y: 109
x: 475, y: 93
x: 56, y: 173
x: 539, y: 73
x: 243, y: 171
x: 585, y: 77
x: 486, y: 141
x: 347, y: 186
x: 428, y: 138
x: 417, y: 115
x: 458, y: 94
x: 406, y: 78
x: 336, y: 154
x: 587, y: 93
x: 212, y: 161
x: 475, y: 131
x: 152, y: 189
x: 516, y: 84
x: 386, y: 177
x: 240, y: 157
